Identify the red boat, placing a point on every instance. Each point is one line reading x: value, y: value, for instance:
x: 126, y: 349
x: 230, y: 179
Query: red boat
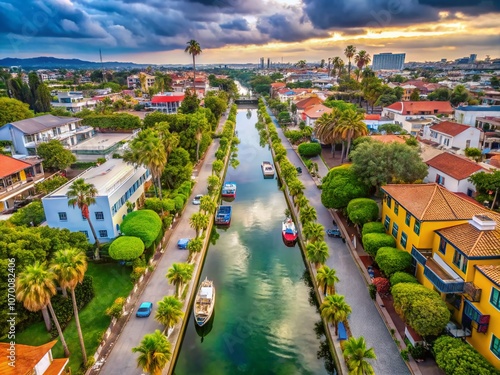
x: 289, y: 232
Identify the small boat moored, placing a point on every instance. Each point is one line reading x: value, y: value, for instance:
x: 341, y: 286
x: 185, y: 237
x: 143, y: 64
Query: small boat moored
x: 267, y: 169
x: 289, y: 232
x: 229, y: 190
x: 204, y: 302
x: 223, y: 215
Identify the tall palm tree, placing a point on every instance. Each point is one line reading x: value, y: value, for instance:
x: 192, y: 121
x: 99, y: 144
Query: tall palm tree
x: 317, y: 253
x: 143, y: 82
x: 194, y: 49
x: 195, y: 246
x: 349, y: 52
x: 313, y: 231
x: 207, y: 205
x: 325, y: 128
x: 198, y: 221
x: 362, y: 59
x: 169, y: 311
x: 326, y: 278
x: 301, y: 64
x: 69, y: 266
x: 350, y: 127
x: 337, y: 63
x: 301, y: 201
x: 82, y: 195
x: 308, y: 214
x: 296, y: 187
x: 163, y: 81
x: 200, y: 123
x: 178, y: 274
x: 335, y: 310
x: 34, y: 288
x: 329, y: 64
x: 356, y: 355
x: 154, y: 353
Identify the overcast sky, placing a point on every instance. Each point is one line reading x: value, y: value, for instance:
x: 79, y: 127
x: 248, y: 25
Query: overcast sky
x: 238, y: 31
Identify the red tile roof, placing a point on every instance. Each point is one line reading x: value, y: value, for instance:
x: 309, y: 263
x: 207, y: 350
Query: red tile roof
x: 276, y: 85
x: 454, y: 166
x: 177, y: 97
x: 450, y: 128
x: 395, y: 106
x: 388, y: 138
x: 316, y: 111
x: 307, y: 102
x: 372, y: 117
x: 416, y: 108
x: 9, y: 166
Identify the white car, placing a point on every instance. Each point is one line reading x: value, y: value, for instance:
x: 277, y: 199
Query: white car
x: 197, y: 199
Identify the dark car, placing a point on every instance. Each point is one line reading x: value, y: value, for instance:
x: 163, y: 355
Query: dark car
x: 144, y: 310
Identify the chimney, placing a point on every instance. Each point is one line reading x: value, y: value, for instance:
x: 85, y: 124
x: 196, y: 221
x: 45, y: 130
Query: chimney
x: 483, y: 222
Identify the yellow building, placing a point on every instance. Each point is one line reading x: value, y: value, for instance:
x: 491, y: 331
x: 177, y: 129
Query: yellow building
x: 455, y: 244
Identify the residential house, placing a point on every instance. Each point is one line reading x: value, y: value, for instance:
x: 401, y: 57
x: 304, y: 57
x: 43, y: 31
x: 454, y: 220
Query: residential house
x: 305, y: 103
x: 452, y: 136
x: 407, y: 91
x: 468, y: 114
x: 32, y: 360
x: 311, y: 114
x: 373, y: 121
x: 17, y: 179
x: 453, y: 172
x: 455, y: 244
x: 285, y: 95
x: 134, y: 81
x: 168, y: 102
x: 117, y: 183
x: 26, y: 135
x: 73, y: 101
x: 491, y: 133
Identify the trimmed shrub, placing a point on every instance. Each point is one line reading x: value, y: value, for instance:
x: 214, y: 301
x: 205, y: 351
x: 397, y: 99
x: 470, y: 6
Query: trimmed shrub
x: 340, y: 186
x: 116, y: 309
x: 373, y: 227
x: 156, y: 205
x: 145, y: 224
x: 126, y: 248
x: 391, y: 260
x: 113, y: 121
x: 362, y: 210
x: 374, y: 241
x: 310, y: 149
x: 402, y: 277
x: 382, y: 285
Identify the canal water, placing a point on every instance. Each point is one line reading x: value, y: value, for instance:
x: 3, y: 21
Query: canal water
x: 266, y: 320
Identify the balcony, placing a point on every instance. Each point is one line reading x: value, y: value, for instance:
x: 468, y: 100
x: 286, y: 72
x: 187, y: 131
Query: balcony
x: 441, y: 279
x: 421, y: 255
x: 472, y: 292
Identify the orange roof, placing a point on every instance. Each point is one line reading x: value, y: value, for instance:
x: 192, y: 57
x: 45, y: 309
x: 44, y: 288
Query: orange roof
x: 277, y: 85
x: 307, y: 102
x: 316, y: 111
x: 9, y: 166
x: 415, y: 108
x: 372, y: 117
x: 450, y: 128
x: 388, y: 138
x: 454, y: 166
x: 491, y: 272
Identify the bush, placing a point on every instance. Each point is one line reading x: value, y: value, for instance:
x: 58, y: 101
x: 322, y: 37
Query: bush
x: 402, y: 277
x: 156, y: 205
x: 116, y: 309
x: 49, y: 185
x: 374, y: 241
x: 137, y: 273
x: 340, y: 186
x: 310, y: 149
x: 145, y: 224
x: 373, y: 227
x: 31, y: 215
x: 362, y: 210
x: 382, y: 285
x: 391, y: 260
x: 293, y: 135
x: 126, y: 248
x: 114, y: 121
x: 372, y: 289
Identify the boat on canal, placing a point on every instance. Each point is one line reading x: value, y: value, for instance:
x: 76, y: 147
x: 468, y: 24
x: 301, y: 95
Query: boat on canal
x: 229, y: 190
x: 223, y: 215
x: 204, y: 302
x: 289, y: 232
x: 267, y: 169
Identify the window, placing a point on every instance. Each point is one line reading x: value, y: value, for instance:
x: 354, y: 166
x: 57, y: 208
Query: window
x: 446, y: 141
x: 472, y: 312
x: 62, y: 216
x: 460, y: 261
x: 408, y: 219
x: 396, y: 208
x: 387, y: 222
x: 470, y: 193
x: 389, y: 200
x: 439, y: 179
x: 103, y: 233
x: 395, y: 230
x: 85, y: 232
x: 495, y: 346
x: 495, y: 297
x: 404, y: 238
x: 442, y: 246
x: 416, y: 227
x: 99, y: 215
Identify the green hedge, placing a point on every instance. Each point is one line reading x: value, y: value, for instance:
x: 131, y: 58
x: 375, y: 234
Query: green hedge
x: 113, y: 121
x: 126, y: 248
x: 373, y: 227
x: 308, y: 150
x: 156, y: 205
x: 402, y: 277
x: 391, y: 260
x: 374, y: 241
x: 145, y: 224
x: 362, y: 210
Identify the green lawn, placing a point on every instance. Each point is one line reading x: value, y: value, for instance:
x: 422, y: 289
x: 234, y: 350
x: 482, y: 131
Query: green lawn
x: 110, y: 282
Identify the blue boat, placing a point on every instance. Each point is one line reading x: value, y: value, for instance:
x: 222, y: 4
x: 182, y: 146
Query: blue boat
x: 229, y: 190
x: 223, y: 215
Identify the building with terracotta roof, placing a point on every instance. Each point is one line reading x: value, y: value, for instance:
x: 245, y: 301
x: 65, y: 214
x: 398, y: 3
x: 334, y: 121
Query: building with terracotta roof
x: 389, y: 138
x: 449, y: 135
x: 373, y: 121
x: 311, y: 114
x: 455, y: 245
x: 303, y: 104
x: 453, y: 172
x: 31, y: 360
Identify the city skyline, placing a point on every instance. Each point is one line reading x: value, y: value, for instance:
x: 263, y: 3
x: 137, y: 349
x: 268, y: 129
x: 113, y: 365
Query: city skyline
x: 237, y: 31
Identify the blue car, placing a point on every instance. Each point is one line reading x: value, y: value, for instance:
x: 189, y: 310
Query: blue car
x: 144, y: 310
x: 183, y: 243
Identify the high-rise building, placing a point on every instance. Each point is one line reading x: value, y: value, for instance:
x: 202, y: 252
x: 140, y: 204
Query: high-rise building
x: 472, y: 58
x: 388, y: 61
x: 262, y: 63
x: 268, y: 63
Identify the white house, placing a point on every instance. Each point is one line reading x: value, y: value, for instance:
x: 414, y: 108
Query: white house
x: 116, y: 182
x: 134, y: 81
x: 167, y: 102
x: 453, y: 172
x: 73, y: 101
x: 467, y: 114
x: 450, y: 135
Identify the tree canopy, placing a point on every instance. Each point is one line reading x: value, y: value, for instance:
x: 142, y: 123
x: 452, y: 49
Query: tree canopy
x: 54, y: 155
x: 340, y: 186
x: 391, y: 260
x: 362, y: 210
x: 12, y: 110
x: 126, y: 248
x: 145, y: 224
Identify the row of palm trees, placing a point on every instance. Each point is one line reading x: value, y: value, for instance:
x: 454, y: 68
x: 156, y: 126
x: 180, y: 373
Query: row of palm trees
x: 361, y: 58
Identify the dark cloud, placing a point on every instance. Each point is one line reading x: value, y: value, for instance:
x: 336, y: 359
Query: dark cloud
x: 240, y: 24
x: 287, y: 27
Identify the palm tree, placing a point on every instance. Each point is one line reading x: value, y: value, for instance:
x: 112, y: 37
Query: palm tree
x: 195, y: 246
x: 194, y: 49
x: 163, y: 81
x: 356, y: 355
x: 335, y: 310
x: 350, y: 127
x: 313, y: 231
x: 154, y: 353
x: 349, y: 52
x: 308, y: 214
x: 169, y: 311
x: 199, y: 123
x: 301, y: 64
x: 198, y: 221
x: 362, y: 59
x: 337, y: 64
x: 296, y: 187
x: 82, y: 195
x: 207, y: 205
x: 326, y: 278
x: 69, y: 266
x: 34, y: 288
x: 217, y: 167
x: 213, y: 183
x: 329, y: 64
x: 178, y: 274
x: 143, y: 81
x: 317, y: 253
x: 325, y: 128
x: 301, y: 201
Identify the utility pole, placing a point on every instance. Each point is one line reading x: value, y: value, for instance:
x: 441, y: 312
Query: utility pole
x: 102, y: 67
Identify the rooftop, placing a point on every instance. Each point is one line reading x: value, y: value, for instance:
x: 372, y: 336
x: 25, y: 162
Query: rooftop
x: 450, y: 128
x: 479, y: 108
x: 454, y: 166
x: 38, y: 124
x: 388, y: 138
x: 307, y: 102
x: 491, y: 272
x: 169, y: 97
x: 9, y: 166
x: 316, y: 111
x: 410, y: 107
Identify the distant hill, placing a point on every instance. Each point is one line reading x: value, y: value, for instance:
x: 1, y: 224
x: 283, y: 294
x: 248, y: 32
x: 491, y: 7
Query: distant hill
x: 54, y: 63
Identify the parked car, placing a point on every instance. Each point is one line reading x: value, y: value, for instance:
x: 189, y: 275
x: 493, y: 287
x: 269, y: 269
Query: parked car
x: 183, y: 243
x: 197, y: 199
x: 144, y: 310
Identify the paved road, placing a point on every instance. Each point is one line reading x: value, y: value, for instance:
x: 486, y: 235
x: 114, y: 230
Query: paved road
x: 365, y: 319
